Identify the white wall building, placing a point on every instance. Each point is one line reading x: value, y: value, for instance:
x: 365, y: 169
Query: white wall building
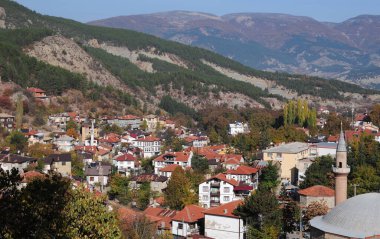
x: 126, y: 164
x: 220, y: 222
x: 188, y: 221
x: 216, y: 191
x: 182, y: 159
x: 150, y: 146
x: 238, y: 128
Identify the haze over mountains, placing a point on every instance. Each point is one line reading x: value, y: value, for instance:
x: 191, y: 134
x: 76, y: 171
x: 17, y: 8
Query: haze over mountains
x: 349, y: 50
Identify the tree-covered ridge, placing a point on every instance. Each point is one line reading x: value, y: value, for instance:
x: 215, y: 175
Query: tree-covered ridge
x: 27, y: 71
x: 315, y: 86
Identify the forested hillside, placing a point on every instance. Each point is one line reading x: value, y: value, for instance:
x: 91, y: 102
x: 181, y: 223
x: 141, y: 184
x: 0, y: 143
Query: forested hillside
x: 191, y: 82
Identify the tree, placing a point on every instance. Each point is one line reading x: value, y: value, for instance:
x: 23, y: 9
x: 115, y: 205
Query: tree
x: 319, y: 173
x: 48, y: 207
x: 39, y: 150
x: 178, y: 193
x: 137, y: 227
x: 366, y: 177
x: 290, y: 216
x: 19, y: 112
x: 199, y: 163
x: 119, y: 188
x: 261, y: 211
x: 269, y: 178
x: 86, y: 216
x: 71, y: 125
x: 77, y: 166
x: 316, y: 208
x: 72, y: 132
x: 147, y: 165
x: 144, y: 124
x: 143, y: 196
x: 16, y: 141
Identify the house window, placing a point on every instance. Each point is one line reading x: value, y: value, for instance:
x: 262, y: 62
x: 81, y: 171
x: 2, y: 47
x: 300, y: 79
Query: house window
x: 226, y: 198
x: 279, y: 155
x: 205, y: 198
x: 180, y: 225
x: 226, y: 189
x: 205, y: 189
x: 91, y: 179
x: 63, y: 163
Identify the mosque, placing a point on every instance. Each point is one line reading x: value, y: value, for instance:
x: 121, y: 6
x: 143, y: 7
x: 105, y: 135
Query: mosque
x: 357, y: 217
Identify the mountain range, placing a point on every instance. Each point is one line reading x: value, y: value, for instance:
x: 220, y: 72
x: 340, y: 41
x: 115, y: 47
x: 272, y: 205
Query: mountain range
x: 94, y: 67
x: 348, y: 51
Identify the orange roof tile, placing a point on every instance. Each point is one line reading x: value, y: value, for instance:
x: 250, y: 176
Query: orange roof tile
x: 317, y: 191
x: 128, y: 117
x: 125, y: 157
x: 225, y: 210
x: 191, y: 213
x: 165, y: 216
x: 148, y: 139
x: 169, y: 168
x: 242, y: 170
x: 179, y: 156
x: 223, y: 178
x: 30, y: 176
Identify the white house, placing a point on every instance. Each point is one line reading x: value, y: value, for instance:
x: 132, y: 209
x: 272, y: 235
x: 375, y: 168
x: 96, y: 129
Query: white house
x: 245, y: 174
x: 197, y: 141
x: 182, y: 159
x: 168, y: 170
x: 59, y: 121
x: 238, y: 128
x: 64, y: 143
x: 127, y: 121
x: 217, y: 190
x: 7, y: 121
x: 152, y: 121
x: 98, y: 174
x: 9, y: 161
x: 188, y: 221
x: 126, y: 164
x: 220, y: 222
x: 150, y: 146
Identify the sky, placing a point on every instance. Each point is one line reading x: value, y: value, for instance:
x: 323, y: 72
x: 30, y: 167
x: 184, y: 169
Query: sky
x: 87, y: 10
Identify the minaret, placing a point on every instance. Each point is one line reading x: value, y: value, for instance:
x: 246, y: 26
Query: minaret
x: 341, y: 170
x: 92, y: 143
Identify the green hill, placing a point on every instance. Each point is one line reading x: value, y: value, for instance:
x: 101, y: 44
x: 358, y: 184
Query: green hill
x: 196, y: 80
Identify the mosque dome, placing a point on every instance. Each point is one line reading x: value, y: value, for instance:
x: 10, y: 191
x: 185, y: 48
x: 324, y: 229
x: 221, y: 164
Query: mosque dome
x: 357, y: 217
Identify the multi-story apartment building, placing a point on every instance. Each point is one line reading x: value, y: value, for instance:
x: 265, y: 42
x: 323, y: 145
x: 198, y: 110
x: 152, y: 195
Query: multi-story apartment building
x: 127, y: 164
x: 7, y: 121
x: 182, y: 159
x: 288, y: 155
x: 217, y: 190
x: 150, y: 146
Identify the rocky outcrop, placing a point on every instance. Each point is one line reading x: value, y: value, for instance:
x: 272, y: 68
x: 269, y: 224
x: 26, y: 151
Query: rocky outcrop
x: 62, y: 52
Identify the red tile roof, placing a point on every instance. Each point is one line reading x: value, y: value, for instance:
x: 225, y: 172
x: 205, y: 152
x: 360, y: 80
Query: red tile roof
x: 317, y: 191
x: 242, y: 170
x: 225, y: 210
x: 191, y: 213
x: 31, y: 175
x: 169, y: 168
x: 228, y: 157
x: 223, y: 178
x: 128, y: 117
x: 165, y: 216
x: 360, y: 117
x: 125, y: 157
x: 178, y: 156
x: 148, y: 139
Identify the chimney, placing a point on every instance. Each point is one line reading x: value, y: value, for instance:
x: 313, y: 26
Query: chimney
x: 225, y: 211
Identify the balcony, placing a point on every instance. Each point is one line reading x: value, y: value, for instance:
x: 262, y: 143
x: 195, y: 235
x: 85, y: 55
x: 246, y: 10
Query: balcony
x: 215, y: 184
x: 214, y: 203
x: 215, y: 193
